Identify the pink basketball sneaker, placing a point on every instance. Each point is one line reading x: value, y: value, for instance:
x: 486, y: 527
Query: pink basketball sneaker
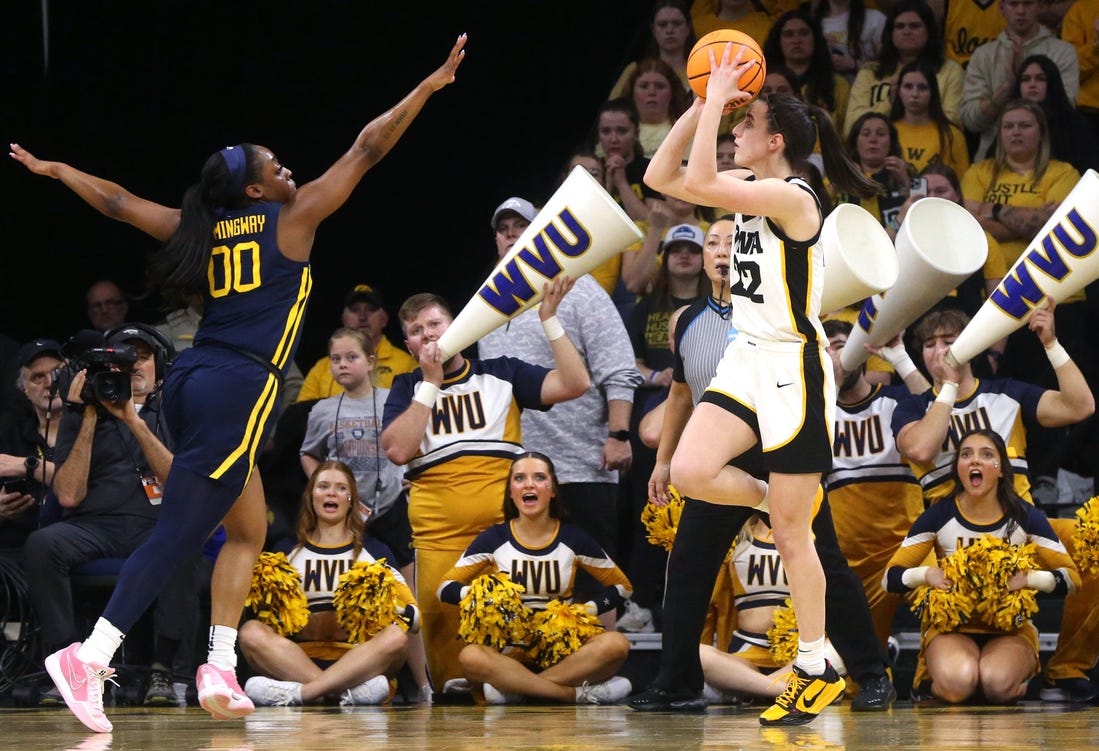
x: 220, y: 694
x: 81, y: 686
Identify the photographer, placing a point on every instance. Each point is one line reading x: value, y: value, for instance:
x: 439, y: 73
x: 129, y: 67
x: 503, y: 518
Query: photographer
x: 27, y: 437
x: 112, y: 451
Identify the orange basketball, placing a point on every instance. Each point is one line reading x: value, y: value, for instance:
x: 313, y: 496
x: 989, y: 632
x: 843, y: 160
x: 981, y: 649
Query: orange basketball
x: 698, y: 63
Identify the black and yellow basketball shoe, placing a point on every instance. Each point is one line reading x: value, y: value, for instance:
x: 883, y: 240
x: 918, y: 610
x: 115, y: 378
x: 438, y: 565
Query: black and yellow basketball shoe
x: 804, y: 698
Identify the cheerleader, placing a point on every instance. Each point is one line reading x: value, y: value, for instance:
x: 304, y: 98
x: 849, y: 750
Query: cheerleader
x: 979, y: 656
x: 318, y: 661
x: 536, y: 549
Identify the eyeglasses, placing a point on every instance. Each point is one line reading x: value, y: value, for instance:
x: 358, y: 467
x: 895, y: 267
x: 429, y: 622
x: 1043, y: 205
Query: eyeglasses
x: 914, y: 25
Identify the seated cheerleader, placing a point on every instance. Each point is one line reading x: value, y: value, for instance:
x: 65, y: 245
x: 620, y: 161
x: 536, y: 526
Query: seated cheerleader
x: 749, y: 668
x: 532, y: 539
x: 318, y: 662
x: 978, y: 656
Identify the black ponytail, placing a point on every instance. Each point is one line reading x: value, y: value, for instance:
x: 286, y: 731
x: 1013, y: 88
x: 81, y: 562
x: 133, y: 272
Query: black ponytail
x: 840, y: 170
x: 179, y: 269
x: 801, y: 124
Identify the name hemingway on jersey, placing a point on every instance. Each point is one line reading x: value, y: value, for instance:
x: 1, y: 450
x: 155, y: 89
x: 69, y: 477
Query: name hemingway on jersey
x: 241, y: 225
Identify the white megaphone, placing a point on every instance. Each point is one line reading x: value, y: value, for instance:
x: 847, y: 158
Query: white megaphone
x: 938, y: 246
x: 859, y: 259
x: 579, y: 228
x: 1059, y: 262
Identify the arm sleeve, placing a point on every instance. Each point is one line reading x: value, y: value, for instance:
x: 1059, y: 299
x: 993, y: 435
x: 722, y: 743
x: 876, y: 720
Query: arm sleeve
x: 914, y: 550
x: 317, y: 430
x: 1052, y: 555
x: 858, y: 101
x: 1078, y: 29
x: 978, y: 85
x: 951, y: 79
x: 400, y: 396
x: 604, y: 343
x: 478, y: 559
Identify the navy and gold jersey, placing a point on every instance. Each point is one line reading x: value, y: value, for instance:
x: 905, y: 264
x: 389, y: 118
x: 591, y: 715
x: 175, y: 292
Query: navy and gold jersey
x: 475, y: 431
x: 320, y: 568
x: 943, y: 529
x: 1000, y: 404
x: 546, y: 573
x: 256, y: 296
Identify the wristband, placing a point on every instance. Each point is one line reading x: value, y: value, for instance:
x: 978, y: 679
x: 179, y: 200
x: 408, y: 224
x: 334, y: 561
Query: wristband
x: 948, y: 394
x: 652, y: 376
x: 553, y: 328
x: 900, y: 360
x: 996, y: 209
x: 1043, y: 581
x: 914, y: 577
x: 1057, y: 354
x: 425, y: 394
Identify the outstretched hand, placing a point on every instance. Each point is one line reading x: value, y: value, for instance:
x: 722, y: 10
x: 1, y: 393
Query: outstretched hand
x: 445, y: 74
x: 30, y: 161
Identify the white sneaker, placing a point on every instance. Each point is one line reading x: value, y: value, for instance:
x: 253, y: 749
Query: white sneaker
x: 427, y: 696
x: 456, y: 686
x: 611, y: 691
x: 494, y: 695
x: 267, y: 692
x: 635, y: 619
x: 718, y: 696
x: 368, y: 693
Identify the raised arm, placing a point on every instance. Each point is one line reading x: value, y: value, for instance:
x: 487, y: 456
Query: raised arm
x: 771, y: 197
x: 665, y: 171
x: 318, y: 199
x: 570, y: 378
x: 1073, y: 401
x: 106, y: 197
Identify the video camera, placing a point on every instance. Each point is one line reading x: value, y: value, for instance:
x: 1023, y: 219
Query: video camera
x: 108, y: 368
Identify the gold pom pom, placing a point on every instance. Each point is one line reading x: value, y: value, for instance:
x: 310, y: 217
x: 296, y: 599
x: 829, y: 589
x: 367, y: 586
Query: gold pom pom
x: 981, y: 573
x: 561, y: 629
x: 493, y: 613
x: 1086, y: 538
x: 276, y: 595
x: 366, y: 600
x: 783, y: 636
x: 661, y: 522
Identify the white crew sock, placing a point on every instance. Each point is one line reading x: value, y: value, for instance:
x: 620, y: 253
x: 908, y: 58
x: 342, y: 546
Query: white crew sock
x: 223, y: 648
x: 811, y: 656
x: 99, y: 648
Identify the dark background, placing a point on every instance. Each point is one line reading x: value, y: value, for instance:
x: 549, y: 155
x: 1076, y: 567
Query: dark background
x: 142, y: 92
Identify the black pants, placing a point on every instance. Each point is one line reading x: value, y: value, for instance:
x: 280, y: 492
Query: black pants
x: 592, y: 506
x: 705, y: 533
x: 52, y: 553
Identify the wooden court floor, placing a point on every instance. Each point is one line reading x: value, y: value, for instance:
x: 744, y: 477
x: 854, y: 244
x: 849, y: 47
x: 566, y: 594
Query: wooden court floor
x: 1027, y: 727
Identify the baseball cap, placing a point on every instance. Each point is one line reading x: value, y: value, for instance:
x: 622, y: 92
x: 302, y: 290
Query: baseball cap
x: 34, y: 349
x: 126, y: 333
x: 684, y: 233
x: 364, y: 293
x: 514, y: 205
